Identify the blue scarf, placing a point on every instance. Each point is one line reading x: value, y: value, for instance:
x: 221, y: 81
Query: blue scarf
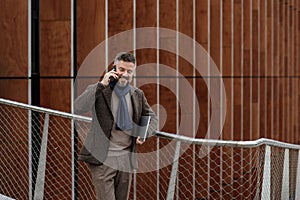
x: 123, y: 121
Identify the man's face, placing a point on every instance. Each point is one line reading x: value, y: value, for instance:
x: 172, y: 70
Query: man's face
x: 125, y: 71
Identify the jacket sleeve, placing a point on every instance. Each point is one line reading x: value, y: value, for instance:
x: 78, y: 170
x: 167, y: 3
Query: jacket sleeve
x: 86, y: 100
x: 149, y: 112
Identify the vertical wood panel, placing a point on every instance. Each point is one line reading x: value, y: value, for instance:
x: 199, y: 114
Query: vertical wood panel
x: 55, y: 10
x: 262, y: 69
x: 13, y: 37
x: 227, y: 65
x: 281, y: 69
x: 215, y: 31
x: 297, y: 60
x: 297, y: 72
x: 201, y: 89
x: 255, y: 62
x: 55, y: 52
x: 90, y: 27
x: 237, y: 70
x: 14, y: 89
x: 146, y: 17
x: 291, y: 67
x: 185, y: 67
x: 276, y: 70
x: 167, y: 19
x: 285, y: 79
x: 269, y: 70
x: 120, y: 18
x: 14, y: 50
x: 247, y: 70
x: 297, y: 118
x: 294, y: 72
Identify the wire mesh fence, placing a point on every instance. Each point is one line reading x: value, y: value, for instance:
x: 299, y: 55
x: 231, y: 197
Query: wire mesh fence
x: 168, y: 168
x: 21, y: 139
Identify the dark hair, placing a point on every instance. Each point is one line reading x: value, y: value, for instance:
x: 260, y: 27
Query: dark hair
x: 124, y: 56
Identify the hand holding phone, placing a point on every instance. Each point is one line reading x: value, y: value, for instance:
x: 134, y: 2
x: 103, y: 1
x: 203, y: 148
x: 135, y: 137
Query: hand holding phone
x: 111, y: 78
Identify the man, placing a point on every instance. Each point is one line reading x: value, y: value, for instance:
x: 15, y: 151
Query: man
x: 117, y: 108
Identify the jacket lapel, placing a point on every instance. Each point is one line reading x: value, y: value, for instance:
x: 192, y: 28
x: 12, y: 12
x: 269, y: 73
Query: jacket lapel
x: 135, y: 105
x: 107, y: 92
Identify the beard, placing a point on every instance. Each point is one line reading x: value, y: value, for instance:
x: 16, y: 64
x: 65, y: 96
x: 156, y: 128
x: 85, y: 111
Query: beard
x: 123, y: 81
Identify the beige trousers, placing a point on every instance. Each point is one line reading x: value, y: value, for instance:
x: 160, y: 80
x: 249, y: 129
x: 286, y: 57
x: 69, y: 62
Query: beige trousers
x: 112, y: 180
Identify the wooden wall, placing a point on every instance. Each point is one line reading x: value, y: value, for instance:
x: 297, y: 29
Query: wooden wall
x: 254, y: 43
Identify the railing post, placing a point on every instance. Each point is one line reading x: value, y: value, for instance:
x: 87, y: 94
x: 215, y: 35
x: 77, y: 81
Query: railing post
x: 285, y: 176
x: 74, y: 161
x: 265, y: 194
x: 73, y: 95
x: 30, y: 177
x: 298, y: 178
x: 134, y: 184
x: 35, y: 146
x: 40, y: 179
x: 173, y: 177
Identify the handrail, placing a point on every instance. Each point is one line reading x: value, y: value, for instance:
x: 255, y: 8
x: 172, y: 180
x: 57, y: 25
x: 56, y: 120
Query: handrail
x: 211, y: 142
x: 227, y: 143
x: 45, y: 110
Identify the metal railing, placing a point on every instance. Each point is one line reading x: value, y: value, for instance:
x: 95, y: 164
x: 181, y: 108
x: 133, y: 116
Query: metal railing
x: 38, y: 160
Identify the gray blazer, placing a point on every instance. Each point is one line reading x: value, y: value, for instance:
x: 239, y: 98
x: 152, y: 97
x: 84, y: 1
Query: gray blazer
x: 97, y: 98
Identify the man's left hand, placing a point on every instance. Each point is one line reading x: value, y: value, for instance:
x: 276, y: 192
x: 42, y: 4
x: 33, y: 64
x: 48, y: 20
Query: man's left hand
x: 138, y: 140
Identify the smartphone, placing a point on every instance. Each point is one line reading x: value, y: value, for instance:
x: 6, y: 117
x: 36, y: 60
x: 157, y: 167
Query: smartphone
x: 111, y: 78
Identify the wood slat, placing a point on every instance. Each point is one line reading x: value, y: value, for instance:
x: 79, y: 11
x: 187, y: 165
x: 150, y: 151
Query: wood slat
x: 255, y: 69
x: 269, y: 70
x: 55, y: 57
x: 90, y: 27
x: 247, y: 71
x: 14, y: 89
x: 58, y: 89
x: 13, y: 37
x: 55, y: 10
x: 237, y: 71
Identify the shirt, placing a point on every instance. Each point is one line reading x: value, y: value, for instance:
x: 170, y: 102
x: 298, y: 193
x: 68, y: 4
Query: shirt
x: 120, y: 141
